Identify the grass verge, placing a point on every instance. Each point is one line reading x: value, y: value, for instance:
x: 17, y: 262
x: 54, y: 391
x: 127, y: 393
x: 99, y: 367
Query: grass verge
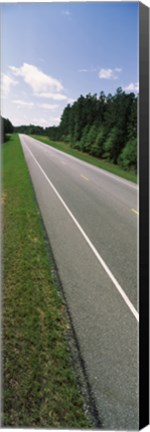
x: 100, y: 163
x: 39, y: 382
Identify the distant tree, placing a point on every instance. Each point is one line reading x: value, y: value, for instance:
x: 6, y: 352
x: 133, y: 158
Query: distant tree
x: 65, y: 119
x: 6, y: 128
x: 53, y: 133
x: 30, y: 129
x: 80, y: 119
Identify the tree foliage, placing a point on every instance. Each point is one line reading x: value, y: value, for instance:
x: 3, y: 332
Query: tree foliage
x: 6, y: 128
x: 30, y: 129
x: 128, y: 156
x: 104, y: 126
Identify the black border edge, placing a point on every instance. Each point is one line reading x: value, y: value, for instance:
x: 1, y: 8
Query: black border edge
x: 144, y: 216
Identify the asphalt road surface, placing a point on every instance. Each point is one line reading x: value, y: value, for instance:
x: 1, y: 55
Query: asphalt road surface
x: 91, y: 218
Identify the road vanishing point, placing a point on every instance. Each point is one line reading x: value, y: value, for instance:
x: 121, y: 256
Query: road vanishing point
x: 91, y: 219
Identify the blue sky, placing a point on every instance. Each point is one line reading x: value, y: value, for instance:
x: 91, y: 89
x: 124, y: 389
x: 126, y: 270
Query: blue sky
x: 54, y: 52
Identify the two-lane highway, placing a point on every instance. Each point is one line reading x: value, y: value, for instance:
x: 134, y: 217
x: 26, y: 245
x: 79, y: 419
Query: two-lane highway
x: 91, y: 219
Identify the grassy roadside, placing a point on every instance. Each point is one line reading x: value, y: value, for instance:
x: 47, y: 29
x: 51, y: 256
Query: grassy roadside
x: 39, y: 383
x: 108, y: 166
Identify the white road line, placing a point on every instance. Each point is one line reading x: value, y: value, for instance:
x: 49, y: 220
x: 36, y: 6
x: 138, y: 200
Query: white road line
x: 100, y: 259
x: 106, y: 173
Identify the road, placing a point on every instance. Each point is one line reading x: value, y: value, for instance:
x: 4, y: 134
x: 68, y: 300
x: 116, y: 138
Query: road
x: 91, y: 219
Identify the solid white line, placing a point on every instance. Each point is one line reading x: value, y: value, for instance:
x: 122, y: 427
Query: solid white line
x: 100, y: 259
x: 102, y: 171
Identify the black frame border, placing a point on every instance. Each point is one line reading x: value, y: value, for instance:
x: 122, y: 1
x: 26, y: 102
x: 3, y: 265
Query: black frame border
x: 144, y: 216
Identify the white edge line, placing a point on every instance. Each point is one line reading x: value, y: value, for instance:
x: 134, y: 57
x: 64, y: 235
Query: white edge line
x: 99, y: 258
x: 103, y: 171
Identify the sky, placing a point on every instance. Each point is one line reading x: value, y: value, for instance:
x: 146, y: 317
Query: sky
x: 52, y: 53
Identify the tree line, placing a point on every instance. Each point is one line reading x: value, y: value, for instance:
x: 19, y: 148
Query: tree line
x: 8, y: 128
x: 30, y: 129
x: 104, y: 126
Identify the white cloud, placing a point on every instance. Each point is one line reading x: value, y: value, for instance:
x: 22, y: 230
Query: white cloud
x: 92, y: 69
x: 23, y: 103
x: 48, y: 106
x: 39, y: 121
x: 83, y: 70
x: 53, y: 121
x: 132, y: 87
x: 109, y: 73
x: 37, y: 80
x: 70, y: 100
x: 18, y: 121
x: 105, y: 73
x: 6, y: 83
x: 54, y: 96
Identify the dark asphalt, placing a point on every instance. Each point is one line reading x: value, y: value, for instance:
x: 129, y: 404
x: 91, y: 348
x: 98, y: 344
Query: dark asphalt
x: 105, y: 207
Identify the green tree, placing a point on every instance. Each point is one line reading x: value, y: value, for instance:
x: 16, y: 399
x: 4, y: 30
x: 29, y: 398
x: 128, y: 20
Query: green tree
x: 132, y: 117
x: 98, y: 145
x: 64, y: 123
x: 111, y: 145
x: 90, y: 140
x: 84, y: 137
x: 6, y: 128
x: 128, y: 156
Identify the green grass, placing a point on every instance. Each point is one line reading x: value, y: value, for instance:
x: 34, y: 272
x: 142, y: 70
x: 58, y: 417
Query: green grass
x: 100, y: 163
x: 39, y: 383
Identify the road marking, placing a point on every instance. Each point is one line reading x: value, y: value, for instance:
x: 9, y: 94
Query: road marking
x: 103, y: 171
x: 98, y: 256
x: 84, y: 177
x: 135, y: 211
